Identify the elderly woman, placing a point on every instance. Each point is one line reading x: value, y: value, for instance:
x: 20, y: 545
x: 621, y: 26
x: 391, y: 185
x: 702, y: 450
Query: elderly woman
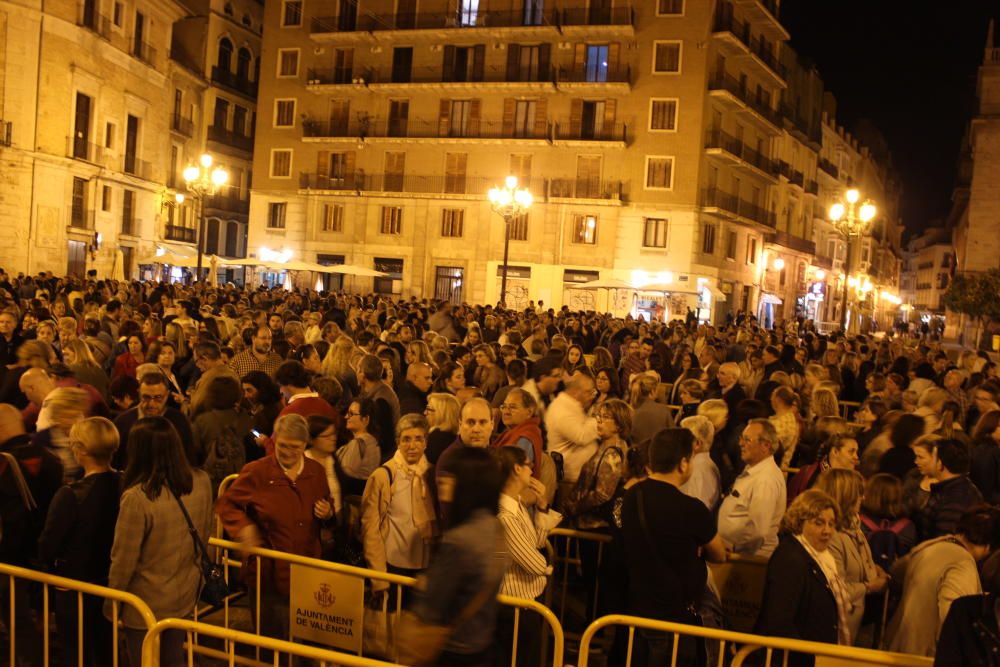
x: 650, y: 417
x: 523, y: 427
x: 154, y: 555
x: 442, y: 414
x: 704, y: 482
x: 398, y: 521
x: 804, y: 595
x: 602, y: 478
x: 850, y: 546
x: 279, y: 502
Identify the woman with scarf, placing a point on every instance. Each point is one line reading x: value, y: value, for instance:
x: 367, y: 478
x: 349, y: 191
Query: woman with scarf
x: 523, y: 427
x: 804, y: 594
x: 398, y: 521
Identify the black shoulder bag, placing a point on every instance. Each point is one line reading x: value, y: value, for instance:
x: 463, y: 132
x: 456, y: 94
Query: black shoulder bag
x: 215, y: 590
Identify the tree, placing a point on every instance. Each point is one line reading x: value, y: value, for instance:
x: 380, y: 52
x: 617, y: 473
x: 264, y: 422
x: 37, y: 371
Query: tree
x: 976, y: 294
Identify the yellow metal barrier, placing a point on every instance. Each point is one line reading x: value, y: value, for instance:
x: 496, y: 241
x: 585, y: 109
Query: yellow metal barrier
x: 49, y: 581
x: 848, y: 408
x: 568, y: 558
x: 399, y: 581
x: 151, y: 653
x: 747, y: 644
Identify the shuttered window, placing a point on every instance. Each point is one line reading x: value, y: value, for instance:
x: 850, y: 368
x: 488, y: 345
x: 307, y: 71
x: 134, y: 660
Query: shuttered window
x: 332, y: 218
x: 452, y: 222
x: 392, y: 220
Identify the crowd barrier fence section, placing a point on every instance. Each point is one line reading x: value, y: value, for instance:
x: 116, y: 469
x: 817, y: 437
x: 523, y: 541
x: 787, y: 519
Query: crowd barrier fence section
x: 739, y: 645
x: 17, y: 577
x: 394, y: 582
x: 565, y: 555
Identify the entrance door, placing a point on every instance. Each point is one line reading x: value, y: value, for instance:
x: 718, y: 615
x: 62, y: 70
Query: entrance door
x: 76, y: 264
x: 448, y: 284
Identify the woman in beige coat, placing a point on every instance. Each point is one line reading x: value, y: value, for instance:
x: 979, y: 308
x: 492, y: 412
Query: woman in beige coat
x: 934, y: 575
x: 849, y: 546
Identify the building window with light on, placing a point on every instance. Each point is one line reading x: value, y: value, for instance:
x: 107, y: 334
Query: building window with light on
x: 662, y: 115
x: 284, y: 113
x: 585, y: 229
x: 659, y: 172
x: 291, y: 13
x: 281, y: 163
x: 333, y: 218
x: 452, y: 222
x: 654, y: 233
x: 708, y: 239
x: 669, y: 7
x: 392, y: 220
x: 519, y: 227
x: 667, y: 57
x: 276, y: 214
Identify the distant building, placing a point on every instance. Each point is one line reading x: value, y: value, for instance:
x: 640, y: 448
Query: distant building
x: 928, y: 262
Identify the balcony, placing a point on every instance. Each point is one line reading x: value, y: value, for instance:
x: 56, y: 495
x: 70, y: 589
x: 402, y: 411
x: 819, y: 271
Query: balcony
x: 728, y: 145
x: 231, y: 203
x: 97, y: 23
x: 80, y: 218
x: 619, y: 74
x: 6, y: 132
x: 136, y: 167
x: 812, y: 188
x: 731, y: 204
x: 613, y: 132
x: 793, y: 176
x: 728, y: 88
x: 181, y: 125
x: 792, y: 242
x: 395, y: 130
x: 226, y: 137
x: 178, y: 233
x: 387, y: 78
x: 736, y: 35
x: 597, y: 16
x: 764, y: 13
x: 237, y: 84
x: 145, y: 52
x: 585, y: 188
x: 80, y: 149
x: 829, y: 168
x: 823, y: 262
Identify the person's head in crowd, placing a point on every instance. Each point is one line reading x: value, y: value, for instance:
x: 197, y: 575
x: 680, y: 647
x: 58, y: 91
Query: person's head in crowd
x: 156, y: 459
x: 478, y: 483
x: 78, y: 353
x: 847, y: 488
x: 223, y: 393
x: 154, y: 391
x: 443, y: 412
x: 670, y: 452
x: 370, y: 370
x: 813, y: 515
x: 515, y: 469
x: 643, y: 387
x: 164, y: 354
x: 411, y: 438
x: 360, y: 417
x: 476, y: 423
x: 702, y: 430
x: 758, y: 441
x: 547, y: 373
x: 260, y: 389
x: 883, y: 497
x: 950, y: 458
x: 871, y: 412
x: 65, y: 406
x: 824, y: 403
x: 987, y: 428
x: 36, y: 384
x: 93, y: 442
x: 895, y: 384
x: 907, y: 429
x: 979, y: 530
x: 840, y: 451
x: 691, y: 391
x: 35, y: 354
x: 292, y: 377
x: 322, y: 434
x: 954, y: 380
x: 518, y: 407
x: 124, y: 392
x: 329, y: 389
x: 451, y: 378
x: 516, y: 371
x: 984, y: 397
x: 728, y: 375
x: 784, y: 399
x: 45, y: 332
x: 309, y: 357
x: 603, y: 358
x: 614, y: 420
x: 717, y: 412
x: 207, y: 355
x: 581, y: 388
x: 606, y: 381
x: 291, y: 435
x: 261, y: 340
x: 875, y: 383
x: 462, y: 355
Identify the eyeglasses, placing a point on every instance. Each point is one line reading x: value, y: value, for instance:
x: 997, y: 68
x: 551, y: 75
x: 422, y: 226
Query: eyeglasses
x: 351, y: 413
x: 507, y: 407
x: 147, y: 398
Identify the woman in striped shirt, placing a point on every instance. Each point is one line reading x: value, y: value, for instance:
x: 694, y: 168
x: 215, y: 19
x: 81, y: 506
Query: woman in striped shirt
x: 527, y: 572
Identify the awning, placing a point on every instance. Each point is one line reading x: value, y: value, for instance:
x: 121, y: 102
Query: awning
x: 771, y: 298
x: 717, y: 293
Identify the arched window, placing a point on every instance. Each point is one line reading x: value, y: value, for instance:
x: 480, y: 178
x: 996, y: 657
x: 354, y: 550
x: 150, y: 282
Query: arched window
x: 225, y: 55
x: 247, y: 21
x: 228, y: 9
x: 212, y: 237
x: 232, y: 239
x: 243, y: 64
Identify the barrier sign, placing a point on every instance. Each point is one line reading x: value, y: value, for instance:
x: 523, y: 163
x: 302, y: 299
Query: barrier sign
x: 740, y: 583
x: 326, y: 607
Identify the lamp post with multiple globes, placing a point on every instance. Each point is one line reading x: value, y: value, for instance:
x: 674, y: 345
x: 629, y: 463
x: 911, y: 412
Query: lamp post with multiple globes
x: 851, y: 219
x: 202, y: 180
x: 509, y: 202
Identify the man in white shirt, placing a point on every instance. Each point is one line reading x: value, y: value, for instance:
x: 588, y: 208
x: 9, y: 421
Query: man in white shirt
x: 751, y: 513
x: 572, y: 434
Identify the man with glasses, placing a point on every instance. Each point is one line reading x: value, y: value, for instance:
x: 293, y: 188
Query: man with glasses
x: 751, y: 513
x: 259, y: 356
x: 153, y: 393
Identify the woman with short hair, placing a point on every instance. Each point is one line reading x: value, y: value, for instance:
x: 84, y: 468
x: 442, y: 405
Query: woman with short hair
x: 602, y: 477
x: 154, y: 556
x: 519, y: 414
x: 838, y: 452
x: 361, y: 455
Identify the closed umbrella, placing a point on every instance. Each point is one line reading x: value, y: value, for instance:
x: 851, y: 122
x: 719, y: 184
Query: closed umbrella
x: 213, y: 271
x: 118, y: 267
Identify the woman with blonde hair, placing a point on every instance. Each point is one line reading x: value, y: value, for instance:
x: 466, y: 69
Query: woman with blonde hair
x: 61, y: 409
x: 417, y: 351
x: 602, y: 477
x: 442, y: 412
x: 650, y: 417
x: 785, y: 404
x: 338, y: 365
x: 602, y: 358
x: 850, y: 546
x: 823, y: 403
x: 80, y: 360
x: 174, y: 333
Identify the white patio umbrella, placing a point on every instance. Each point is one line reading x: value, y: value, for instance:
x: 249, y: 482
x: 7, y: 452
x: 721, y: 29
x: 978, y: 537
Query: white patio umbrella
x: 118, y: 267
x: 213, y: 271
x: 353, y: 270
x: 605, y: 283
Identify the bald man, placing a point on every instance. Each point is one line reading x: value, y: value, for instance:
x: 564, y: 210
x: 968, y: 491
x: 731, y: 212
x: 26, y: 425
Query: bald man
x: 475, y: 426
x: 37, y: 383
x: 413, y: 393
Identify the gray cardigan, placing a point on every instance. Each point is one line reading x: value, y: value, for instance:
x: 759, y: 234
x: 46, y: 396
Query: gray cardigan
x: 153, y: 555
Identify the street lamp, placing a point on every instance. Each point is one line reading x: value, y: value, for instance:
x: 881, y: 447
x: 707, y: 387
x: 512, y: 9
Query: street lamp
x: 850, y: 219
x: 510, y: 202
x: 202, y: 180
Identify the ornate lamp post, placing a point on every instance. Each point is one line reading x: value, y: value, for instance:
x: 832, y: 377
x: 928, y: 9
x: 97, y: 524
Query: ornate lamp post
x: 509, y: 202
x: 850, y: 219
x: 202, y: 180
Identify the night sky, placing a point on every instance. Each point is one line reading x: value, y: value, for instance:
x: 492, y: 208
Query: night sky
x: 910, y: 67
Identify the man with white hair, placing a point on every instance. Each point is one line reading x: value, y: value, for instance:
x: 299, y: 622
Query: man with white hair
x: 728, y: 387
x: 704, y: 482
x: 571, y: 433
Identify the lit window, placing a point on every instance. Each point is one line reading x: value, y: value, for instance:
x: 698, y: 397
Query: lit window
x: 585, y: 229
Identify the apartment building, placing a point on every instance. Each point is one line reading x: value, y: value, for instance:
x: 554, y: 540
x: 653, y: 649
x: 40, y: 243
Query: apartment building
x: 83, y: 132
x: 927, y: 265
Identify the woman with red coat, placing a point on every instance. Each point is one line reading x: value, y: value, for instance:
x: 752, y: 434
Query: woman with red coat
x: 523, y: 427
x: 128, y: 361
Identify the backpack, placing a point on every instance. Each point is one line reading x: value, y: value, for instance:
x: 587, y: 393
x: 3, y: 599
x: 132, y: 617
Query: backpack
x: 224, y: 455
x: 883, y: 538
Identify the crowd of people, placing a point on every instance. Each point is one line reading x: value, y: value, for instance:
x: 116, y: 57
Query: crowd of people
x: 446, y: 442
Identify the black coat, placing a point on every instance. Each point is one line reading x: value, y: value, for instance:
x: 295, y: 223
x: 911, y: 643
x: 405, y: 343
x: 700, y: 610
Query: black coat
x: 969, y: 636
x: 798, y: 602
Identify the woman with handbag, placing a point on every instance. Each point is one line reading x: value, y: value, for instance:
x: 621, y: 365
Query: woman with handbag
x: 154, y: 555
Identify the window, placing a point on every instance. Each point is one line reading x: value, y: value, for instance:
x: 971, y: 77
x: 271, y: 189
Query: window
x: 663, y: 115
x: 106, y: 198
x: 225, y: 60
x: 284, y: 113
x: 458, y: 124
x: 519, y: 228
x: 399, y: 113
x: 131, y: 145
x: 585, y: 229
x: 220, y: 117
x: 391, y: 283
x: 395, y: 165
x: 392, y: 220
x: 454, y: 172
x: 669, y: 7
x: 128, y: 211
x: 667, y: 58
x: 81, y: 127
x: 119, y: 10
x: 281, y: 163
x: 708, y: 239
x: 288, y: 62
x: 243, y: 60
x: 654, y: 233
x: 468, y: 12
x: 452, y: 222
x: 659, y: 173
x: 276, y: 214
x: 109, y: 135
x: 596, y: 63
x: 520, y: 167
x: 524, y: 118
x: 333, y: 218
x: 588, y: 176
x: 343, y: 66
x: 291, y: 13
x: 731, y: 245
x: 527, y: 62
x: 751, y: 251
x: 78, y: 212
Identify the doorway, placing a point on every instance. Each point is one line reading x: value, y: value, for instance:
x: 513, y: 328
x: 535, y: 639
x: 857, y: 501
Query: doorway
x: 448, y: 284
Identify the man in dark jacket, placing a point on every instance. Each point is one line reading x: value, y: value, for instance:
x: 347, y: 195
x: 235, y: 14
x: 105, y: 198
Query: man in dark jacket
x: 413, y: 393
x: 153, y: 393
x: 951, y: 494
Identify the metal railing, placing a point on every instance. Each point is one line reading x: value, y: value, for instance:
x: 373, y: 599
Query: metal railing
x: 179, y: 233
x: 81, y: 218
x: 97, y: 23
x: 483, y: 18
x: 605, y: 132
x: 145, y: 52
x: 829, y: 167
x: 760, y: 47
x: 84, y: 150
x: 793, y: 242
x: 746, y: 643
x: 17, y: 578
x: 427, y: 74
x: 182, y: 125
x: 723, y: 81
x: 597, y: 16
x: 733, y: 145
x: 234, y: 82
x: 228, y: 202
x: 418, y: 129
x: 584, y: 188
x: 812, y: 187
x: 230, y: 138
x: 133, y: 165
x: 610, y: 74
x: 716, y: 198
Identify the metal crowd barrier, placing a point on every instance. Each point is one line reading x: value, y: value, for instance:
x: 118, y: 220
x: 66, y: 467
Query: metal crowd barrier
x: 393, y: 580
x: 151, y: 653
x: 744, y: 644
x: 18, y: 576
x: 848, y: 408
x: 569, y: 558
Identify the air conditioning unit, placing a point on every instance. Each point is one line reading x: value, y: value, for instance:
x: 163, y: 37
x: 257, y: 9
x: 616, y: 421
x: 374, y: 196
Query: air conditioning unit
x: 318, y: 51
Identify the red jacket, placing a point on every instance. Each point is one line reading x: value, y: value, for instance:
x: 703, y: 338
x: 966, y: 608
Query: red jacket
x: 307, y: 406
x: 281, y: 509
x: 125, y: 364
